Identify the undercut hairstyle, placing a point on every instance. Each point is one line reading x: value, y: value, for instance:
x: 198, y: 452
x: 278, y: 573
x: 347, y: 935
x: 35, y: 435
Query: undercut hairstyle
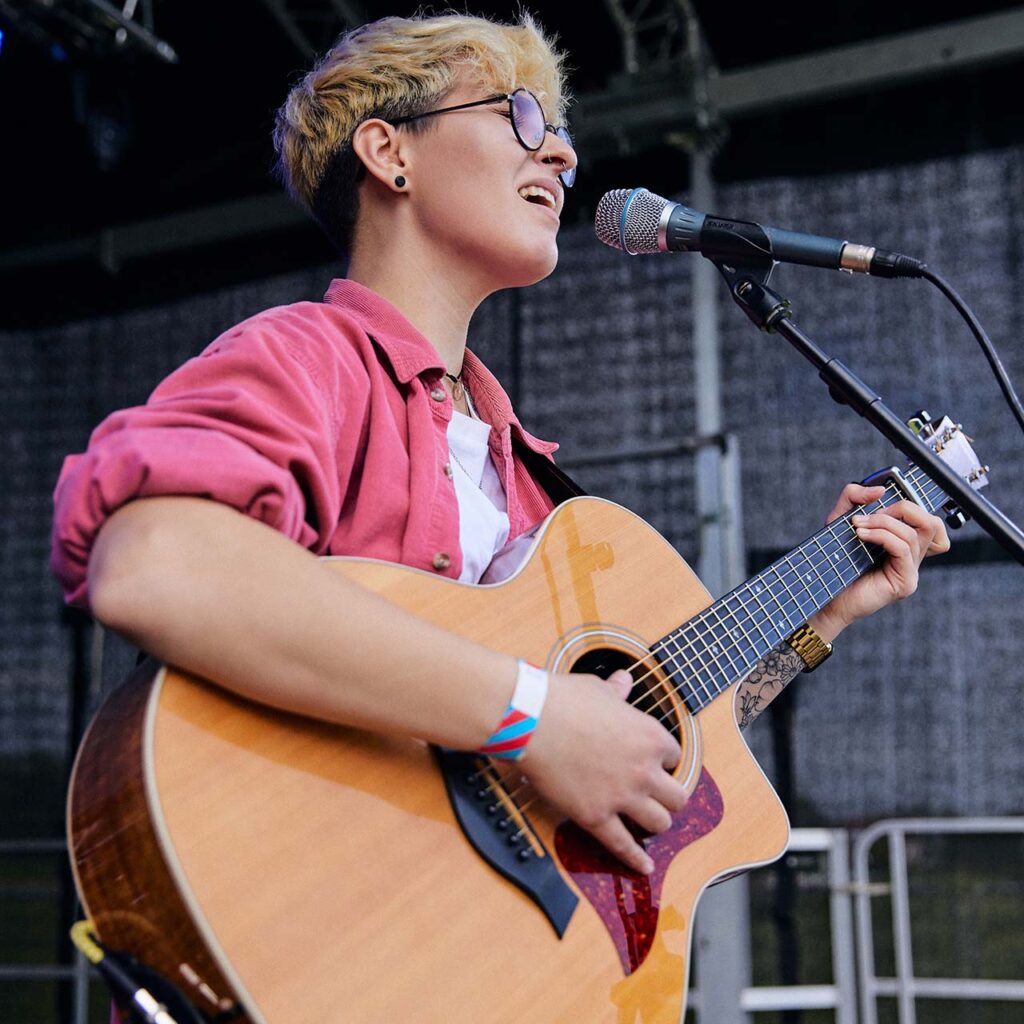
x: 393, y: 68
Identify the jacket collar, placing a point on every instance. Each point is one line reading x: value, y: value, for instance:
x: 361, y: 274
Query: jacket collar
x: 411, y: 354
x: 407, y: 350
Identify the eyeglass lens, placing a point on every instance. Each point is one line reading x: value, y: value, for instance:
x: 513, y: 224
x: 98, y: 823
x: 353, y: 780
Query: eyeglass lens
x: 528, y: 118
x: 529, y: 124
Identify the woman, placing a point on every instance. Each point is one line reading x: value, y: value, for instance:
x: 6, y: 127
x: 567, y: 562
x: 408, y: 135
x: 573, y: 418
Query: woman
x: 425, y: 149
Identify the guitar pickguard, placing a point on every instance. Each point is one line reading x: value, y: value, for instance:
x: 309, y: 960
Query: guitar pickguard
x: 629, y: 903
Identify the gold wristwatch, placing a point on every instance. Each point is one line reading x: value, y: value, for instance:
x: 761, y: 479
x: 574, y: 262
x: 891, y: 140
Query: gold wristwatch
x: 811, y: 648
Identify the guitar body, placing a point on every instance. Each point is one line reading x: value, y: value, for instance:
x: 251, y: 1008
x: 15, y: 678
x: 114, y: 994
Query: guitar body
x: 309, y: 872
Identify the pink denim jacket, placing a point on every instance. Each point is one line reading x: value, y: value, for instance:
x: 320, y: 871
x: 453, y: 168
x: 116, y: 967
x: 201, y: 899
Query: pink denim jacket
x: 327, y: 421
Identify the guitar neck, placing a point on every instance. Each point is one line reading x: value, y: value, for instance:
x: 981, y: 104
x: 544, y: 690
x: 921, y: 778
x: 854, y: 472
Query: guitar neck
x: 717, y: 648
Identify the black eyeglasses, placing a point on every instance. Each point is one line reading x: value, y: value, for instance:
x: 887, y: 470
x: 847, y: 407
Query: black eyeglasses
x: 528, y: 123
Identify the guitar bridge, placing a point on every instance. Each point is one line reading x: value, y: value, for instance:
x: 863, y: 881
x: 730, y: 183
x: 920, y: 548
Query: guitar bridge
x: 500, y: 833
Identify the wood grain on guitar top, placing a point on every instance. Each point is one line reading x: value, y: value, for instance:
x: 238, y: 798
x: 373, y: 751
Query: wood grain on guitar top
x: 326, y: 874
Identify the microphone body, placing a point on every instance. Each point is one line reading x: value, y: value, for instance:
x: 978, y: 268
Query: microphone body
x: 637, y: 221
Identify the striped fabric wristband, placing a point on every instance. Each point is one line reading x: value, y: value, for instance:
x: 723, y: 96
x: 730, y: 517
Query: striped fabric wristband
x: 515, y: 730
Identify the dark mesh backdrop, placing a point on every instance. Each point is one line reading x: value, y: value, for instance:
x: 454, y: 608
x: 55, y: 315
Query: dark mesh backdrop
x: 919, y: 709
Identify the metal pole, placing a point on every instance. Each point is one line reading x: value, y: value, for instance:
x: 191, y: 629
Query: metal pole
x: 842, y: 927
x: 713, y: 569
x: 901, y: 927
x: 723, y: 923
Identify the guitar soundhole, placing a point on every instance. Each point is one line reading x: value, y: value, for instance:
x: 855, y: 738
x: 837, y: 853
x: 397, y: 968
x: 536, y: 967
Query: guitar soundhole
x: 650, y: 693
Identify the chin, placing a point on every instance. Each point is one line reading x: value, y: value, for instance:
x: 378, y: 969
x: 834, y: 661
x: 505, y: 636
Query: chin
x: 531, y: 270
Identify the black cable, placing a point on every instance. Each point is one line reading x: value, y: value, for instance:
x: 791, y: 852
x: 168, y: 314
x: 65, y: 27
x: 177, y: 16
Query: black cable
x: 983, y: 340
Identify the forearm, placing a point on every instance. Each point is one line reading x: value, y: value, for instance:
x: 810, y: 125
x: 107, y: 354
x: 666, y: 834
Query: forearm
x: 776, y: 670
x: 203, y: 587
x: 765, y: 681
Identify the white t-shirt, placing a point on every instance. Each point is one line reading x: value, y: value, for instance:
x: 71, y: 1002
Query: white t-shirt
x: 487, y: 555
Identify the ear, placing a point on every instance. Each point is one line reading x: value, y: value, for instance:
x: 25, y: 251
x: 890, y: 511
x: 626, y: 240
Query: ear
x: 383, y: 151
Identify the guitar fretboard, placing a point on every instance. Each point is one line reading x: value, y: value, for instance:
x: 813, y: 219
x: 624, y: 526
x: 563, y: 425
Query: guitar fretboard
x: 723, y: 643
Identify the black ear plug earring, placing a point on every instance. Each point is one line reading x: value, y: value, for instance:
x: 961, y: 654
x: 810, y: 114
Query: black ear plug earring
x: 400, y: 181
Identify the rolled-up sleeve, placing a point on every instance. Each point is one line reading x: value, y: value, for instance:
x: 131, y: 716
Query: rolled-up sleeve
x: 254, y: 423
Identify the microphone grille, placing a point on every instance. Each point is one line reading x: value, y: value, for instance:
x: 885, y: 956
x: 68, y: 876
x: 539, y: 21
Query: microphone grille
x: 639, y: 233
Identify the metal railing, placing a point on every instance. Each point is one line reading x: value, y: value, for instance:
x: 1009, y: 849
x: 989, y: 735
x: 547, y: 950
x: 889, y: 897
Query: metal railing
x: 906, y: 987
x: 78, y: 973
x: 848, y: 976
x: 841, y: 995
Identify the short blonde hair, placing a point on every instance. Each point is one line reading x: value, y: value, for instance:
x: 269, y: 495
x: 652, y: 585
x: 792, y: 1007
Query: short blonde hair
x: 393, y: 68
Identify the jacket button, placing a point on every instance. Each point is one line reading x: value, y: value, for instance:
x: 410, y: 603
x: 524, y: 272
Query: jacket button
x: 448, y: 471
x: 441, y: 561
x: 438, y: 394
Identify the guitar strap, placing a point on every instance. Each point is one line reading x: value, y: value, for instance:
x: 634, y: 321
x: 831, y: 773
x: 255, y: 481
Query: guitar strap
x: 557, y: 484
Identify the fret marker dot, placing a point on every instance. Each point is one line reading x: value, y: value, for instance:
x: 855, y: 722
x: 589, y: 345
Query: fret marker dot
x: 807, y: 577
x: 737, y: 634
x: 781, y: 625
x: 715, y: 649
x: 758, y: 588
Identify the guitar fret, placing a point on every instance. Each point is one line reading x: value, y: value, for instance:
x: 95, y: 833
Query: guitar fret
x: 692, y: 699
x: 738, y: 633
x: 719, y: 646
x: 841, y: 548
x: 821, y: 579
x: 859, y: 545
x: 927, y: 488
x: 783, y: 623
x: 746, y: 607
x: 707, y: 659
x: 695, y: 664
x: 756, y: 590
x: 831, y: 565
x: 796, y: 600
x: 707, y: 668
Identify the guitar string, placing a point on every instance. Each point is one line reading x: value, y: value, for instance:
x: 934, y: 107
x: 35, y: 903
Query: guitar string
x: 748, y: 660
x: 694, y: 662
x: 673, y: 691
x: 840, y: 546
x: 664, y: 715
x: 702, y: 630
x: 929, y: 491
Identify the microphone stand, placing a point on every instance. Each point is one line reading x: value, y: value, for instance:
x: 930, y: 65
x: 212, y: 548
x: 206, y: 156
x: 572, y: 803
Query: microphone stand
x: 748, y: 285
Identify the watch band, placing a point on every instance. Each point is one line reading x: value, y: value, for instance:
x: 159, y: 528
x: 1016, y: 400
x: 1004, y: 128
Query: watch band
x: 811, y: 648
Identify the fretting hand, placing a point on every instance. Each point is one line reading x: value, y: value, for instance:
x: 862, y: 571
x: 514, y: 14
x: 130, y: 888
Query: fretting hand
x: 905, y: 532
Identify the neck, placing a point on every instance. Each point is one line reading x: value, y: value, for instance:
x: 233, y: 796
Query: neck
x: 434, y: 299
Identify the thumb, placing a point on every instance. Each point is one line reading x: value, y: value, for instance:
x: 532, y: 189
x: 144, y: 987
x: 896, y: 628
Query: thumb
x: 622, y: 682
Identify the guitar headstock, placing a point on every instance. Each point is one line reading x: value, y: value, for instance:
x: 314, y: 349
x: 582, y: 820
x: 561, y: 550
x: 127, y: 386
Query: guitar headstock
x: 948, y: 440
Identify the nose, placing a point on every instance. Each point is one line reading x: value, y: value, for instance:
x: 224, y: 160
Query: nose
x: 556, y: 150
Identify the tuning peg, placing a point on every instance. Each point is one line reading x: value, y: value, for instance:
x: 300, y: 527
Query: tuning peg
x: 921, y: 423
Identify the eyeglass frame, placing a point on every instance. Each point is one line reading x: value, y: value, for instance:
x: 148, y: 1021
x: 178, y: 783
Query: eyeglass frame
x: 510, y: 97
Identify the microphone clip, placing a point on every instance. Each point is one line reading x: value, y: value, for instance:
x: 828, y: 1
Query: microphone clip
x: 748, y: 285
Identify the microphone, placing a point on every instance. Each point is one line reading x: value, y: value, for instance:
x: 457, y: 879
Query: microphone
x: 638, y: 221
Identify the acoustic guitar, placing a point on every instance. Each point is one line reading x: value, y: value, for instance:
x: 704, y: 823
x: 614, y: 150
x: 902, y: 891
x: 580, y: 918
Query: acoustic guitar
x: 280, y: 870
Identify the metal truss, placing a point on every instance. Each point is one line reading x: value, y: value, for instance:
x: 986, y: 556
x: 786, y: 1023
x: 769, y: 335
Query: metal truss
x: 673, y: 92
x: 667, y: 66
x: 657, y: 32
x: 313, y: 26
x: 88, y: 28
